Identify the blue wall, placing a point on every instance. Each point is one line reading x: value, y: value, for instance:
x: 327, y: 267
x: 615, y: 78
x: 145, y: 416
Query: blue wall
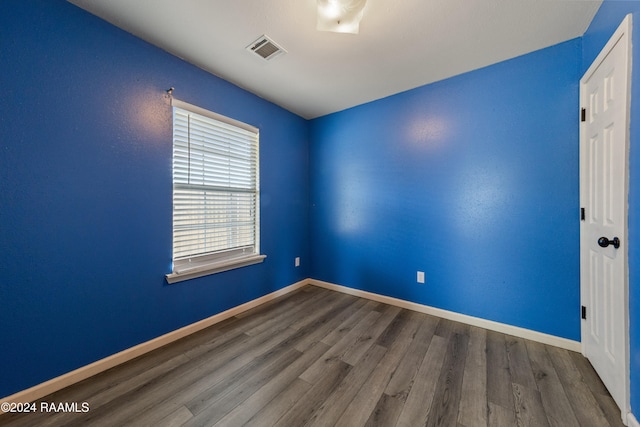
x: 609, y: 16
x: 473, y: 180
x: 85, y: 205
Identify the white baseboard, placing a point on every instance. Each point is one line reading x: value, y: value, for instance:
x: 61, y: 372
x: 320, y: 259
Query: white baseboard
x: 632, y: 421
x: 462, y: 318
x: 58, y: 383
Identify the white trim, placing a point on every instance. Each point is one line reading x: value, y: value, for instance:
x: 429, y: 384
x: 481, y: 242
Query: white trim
x: 58, y: 383
x: 632, y: 421
x: 553, y: 340
x: 212, y: 268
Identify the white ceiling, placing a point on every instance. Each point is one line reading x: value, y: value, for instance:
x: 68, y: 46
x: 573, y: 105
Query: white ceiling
x: 402, y: 44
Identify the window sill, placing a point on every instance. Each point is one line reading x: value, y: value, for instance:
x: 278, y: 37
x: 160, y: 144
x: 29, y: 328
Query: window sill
x: 213, y: 268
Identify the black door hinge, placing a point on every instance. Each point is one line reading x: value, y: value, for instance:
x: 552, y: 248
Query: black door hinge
x: 584, y: 312
x: 583, y: 115
x: 582, y: 215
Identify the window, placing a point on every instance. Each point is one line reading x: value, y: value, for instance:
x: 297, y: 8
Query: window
x: 216, y: 198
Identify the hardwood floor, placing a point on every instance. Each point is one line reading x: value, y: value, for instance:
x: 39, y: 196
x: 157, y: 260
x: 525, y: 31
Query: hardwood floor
x: 321, y: 358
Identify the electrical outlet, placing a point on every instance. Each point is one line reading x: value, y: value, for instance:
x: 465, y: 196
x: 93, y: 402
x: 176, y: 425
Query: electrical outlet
x: 297, y: 262
x: 420, y: 277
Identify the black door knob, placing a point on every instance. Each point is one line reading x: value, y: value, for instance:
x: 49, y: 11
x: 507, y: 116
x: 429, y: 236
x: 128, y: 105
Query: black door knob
x: 604, y: 242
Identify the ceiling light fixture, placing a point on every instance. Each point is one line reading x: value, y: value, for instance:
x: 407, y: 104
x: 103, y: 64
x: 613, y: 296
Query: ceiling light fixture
x: 340, y: 16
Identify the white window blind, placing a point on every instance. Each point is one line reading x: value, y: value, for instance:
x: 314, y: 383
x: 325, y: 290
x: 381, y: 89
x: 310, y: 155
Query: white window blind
x: 215, y: 189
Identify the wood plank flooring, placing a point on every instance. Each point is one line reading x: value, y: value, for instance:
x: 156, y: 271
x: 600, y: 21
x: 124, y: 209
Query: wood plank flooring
x: 321, y: 358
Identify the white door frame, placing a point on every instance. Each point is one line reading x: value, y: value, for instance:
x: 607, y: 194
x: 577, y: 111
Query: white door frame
x: 624, y: 30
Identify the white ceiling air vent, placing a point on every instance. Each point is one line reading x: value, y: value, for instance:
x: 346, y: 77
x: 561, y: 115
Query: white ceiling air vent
x: 265, y: 48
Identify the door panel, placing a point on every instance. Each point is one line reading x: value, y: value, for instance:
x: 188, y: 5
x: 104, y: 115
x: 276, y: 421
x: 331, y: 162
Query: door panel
x: 604, y: 92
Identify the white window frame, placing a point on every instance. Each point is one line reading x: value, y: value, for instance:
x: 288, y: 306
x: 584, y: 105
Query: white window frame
x: 191, y: 265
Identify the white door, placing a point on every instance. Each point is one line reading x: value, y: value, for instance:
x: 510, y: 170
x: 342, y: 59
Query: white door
x: 604, y: 133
